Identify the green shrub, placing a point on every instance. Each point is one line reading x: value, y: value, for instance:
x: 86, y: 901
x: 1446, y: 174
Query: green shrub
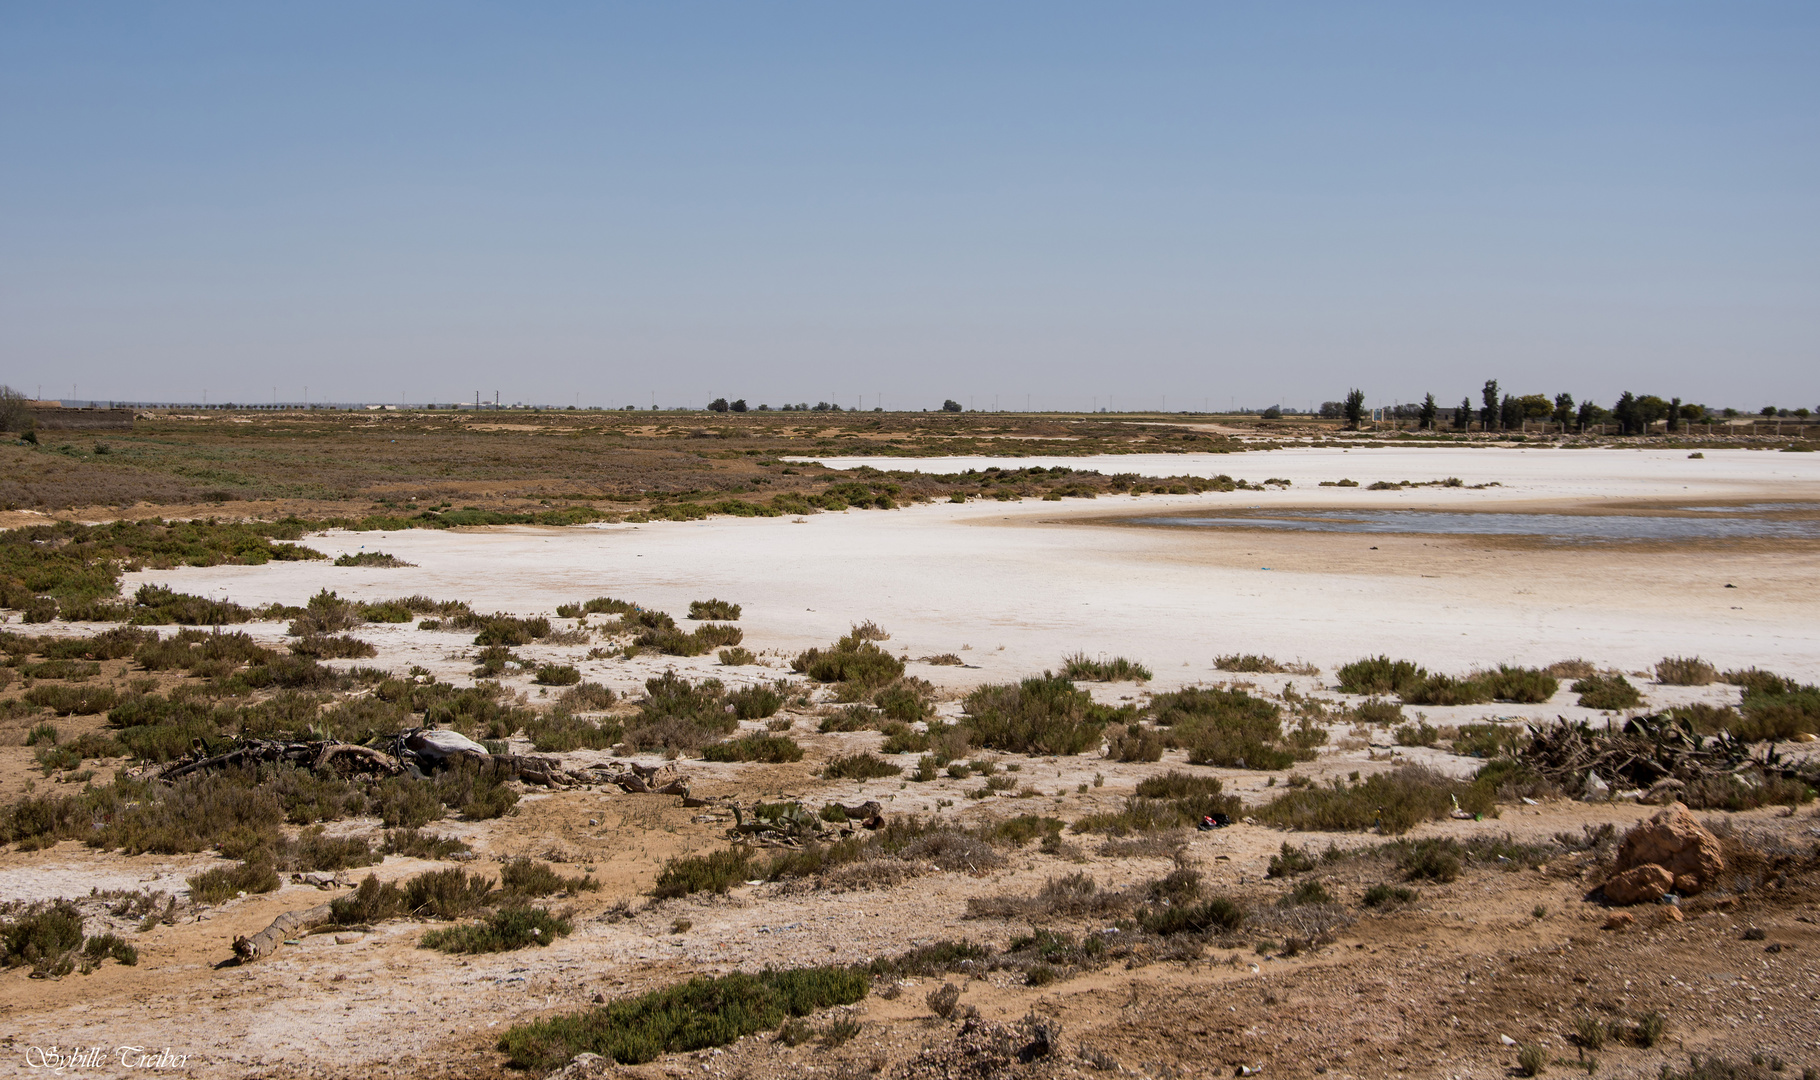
x: 1138, y: 742
x: 1379, y: 711
x: 370, y: 902
x: 1608, y: 692
x: 559, y: 731
x: 557, y: 675
x: 1387, y: 896
x: 1227, y: 728
x: 66, y: 700
x: 756, y: 746
x: 101, y: 946
x: 1532, y: 1060
x: 852, y: 718
x: 737, y: 657
x: 45, y: 732
x: 1379, y: 675
x: 755, y: 702
x: 1044, y: 714
x: 74, y: 670
x: 1527, y: 686
x: 1247, y: 662
x: 44, y: 933
x: 225, y: 882
x: 371, y: 558
x: 1420, y: 734
x: 1217, y: 915
x: 715, y: 872
x: 703, y: 1012
x: 1289, y: 862
x: 855, y: 661
x: 1394, y: 801
x: 1431, y: 860
x: 906, y: 700
x: 323, y: 647
x: 446, y: 894
x: 713, y: 609
x: 1685, y: 671
x: 862, y: 766
x: 416, y: 844
x: 1118, y: 669
x: 527, y: 877
x: 502, y: 930
x: 1488, y: 740
x: 1447, y: 690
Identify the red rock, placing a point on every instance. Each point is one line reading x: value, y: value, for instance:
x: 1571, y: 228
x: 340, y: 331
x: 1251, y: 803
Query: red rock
x: 1618, y: 920
x: 1673, y: 840
x: 1639, y: 885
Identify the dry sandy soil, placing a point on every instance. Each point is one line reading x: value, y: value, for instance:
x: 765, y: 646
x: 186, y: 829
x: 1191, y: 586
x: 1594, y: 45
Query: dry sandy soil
x: 1426, y: 990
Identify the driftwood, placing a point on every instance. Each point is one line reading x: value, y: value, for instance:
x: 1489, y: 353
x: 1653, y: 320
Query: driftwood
x: 1645, y: 752
x: 792, y: 825
x: 247, y: 949
x: 408, y: 755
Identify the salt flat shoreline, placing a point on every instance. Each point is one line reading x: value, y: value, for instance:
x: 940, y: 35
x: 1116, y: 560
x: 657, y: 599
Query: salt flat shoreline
x: 1014, y: 586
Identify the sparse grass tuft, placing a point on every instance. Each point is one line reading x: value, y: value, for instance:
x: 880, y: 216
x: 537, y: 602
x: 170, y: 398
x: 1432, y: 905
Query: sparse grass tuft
x: 1685, y: 671
x: 1118, y: 669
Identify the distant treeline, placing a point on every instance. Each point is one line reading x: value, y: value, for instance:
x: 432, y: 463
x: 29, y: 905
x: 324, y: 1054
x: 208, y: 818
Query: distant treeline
x: 1633, y: 414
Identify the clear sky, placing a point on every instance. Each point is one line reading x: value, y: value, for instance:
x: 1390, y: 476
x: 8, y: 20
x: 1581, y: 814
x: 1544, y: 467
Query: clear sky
x: 1152, y: 203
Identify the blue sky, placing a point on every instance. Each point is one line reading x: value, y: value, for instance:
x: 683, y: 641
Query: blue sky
x: 1147, y: 203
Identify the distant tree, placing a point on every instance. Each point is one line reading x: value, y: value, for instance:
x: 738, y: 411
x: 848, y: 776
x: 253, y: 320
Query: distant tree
x: 15, y: 415
x: 1462, y: 416
x: 951, y: 405
x: 1564, y: 410
x: 719, y: 404
x: 1488, y: 416
x: 1674, y: 414
x: 1800, y: 413
x: 1625, y: 413
x: 1510, y: 413
x: 1650, y: 409
x: 1535, y: 406
x: 1355, y: 408
x: 738, y: 406
x: 1729, y: 413
x: 1426, y: 420
x: 1332, y: 410
x: 1768, y: 410
x: 1590, y: 414
x: 1272, y: 412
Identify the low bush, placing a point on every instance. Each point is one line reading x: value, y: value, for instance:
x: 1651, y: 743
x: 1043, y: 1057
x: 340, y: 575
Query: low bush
x: 557, y: 675
x: 701, y: 1013
x: 1216, y: 915
x: 559, y: 731
x: 713, y: 609
x: 416, y: 844
x: 529, y: 878
x: 1046, y: 715
x: 772, y: 749
x: 43, y: 934
x: 1488, y: 740
x: 1394, y: 802
x: 1228, y: 728
x: 1448, y: 690
x: 1379, y: 711
x: 225, y: 882
x: 371, y: 901
x: 1526, y: 686
x: 502, y: 930
x: 1289, y: 862
x: 1138, y: 742
x: 1419, y: 734
x: 586, y: 697
x: 755, y: 702
x: 852, y: 718
x: 1607, y: 692
x: 323, y: 647
x: 862, y: 766
x: 67, y: 700
x: 370, y: 558
x: 855, y: 661
x: 1246, y: 662
x: 446, y: 894
x: 1685, y: 671
x: 737, y: 657
x: 1117, y: 669
x: 906, y: 700
x: 1387, y: 896
x: 715, y: 872
x: 74, y: 670
x: 1379, y: 675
